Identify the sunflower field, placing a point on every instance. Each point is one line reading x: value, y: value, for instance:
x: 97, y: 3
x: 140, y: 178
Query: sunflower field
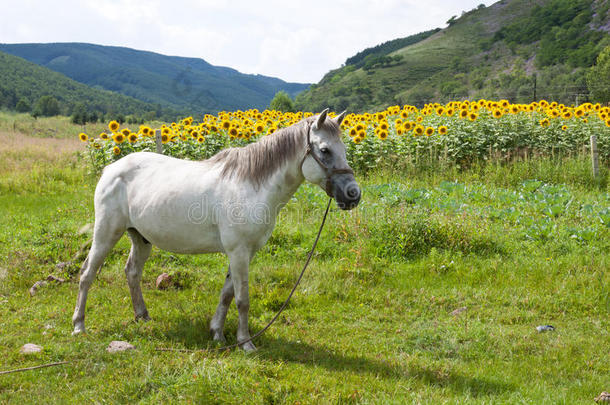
x: 459, y: 132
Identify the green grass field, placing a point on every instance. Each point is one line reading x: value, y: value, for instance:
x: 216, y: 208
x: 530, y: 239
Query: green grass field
x: 519, y: 246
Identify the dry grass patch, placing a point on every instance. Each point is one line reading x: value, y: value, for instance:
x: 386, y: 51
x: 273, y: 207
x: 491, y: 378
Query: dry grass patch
x: 20, y: 152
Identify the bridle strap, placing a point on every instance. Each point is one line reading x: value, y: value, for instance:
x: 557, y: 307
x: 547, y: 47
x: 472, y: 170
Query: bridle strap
x: 329, y: 171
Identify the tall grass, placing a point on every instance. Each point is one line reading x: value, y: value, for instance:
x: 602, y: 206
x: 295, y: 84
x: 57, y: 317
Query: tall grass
x: 518, y: 245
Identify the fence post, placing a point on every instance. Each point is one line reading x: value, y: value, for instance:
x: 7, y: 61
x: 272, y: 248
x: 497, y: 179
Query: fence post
x: 594, y: 156
x: 158, y: 141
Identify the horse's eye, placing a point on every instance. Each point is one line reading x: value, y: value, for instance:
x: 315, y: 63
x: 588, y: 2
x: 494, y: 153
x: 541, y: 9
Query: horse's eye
x: 325, y: 150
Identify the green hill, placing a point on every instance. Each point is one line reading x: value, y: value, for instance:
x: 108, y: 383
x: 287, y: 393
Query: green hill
x: 510, y: 49
x: 25, y: 81
x: 184, y: 84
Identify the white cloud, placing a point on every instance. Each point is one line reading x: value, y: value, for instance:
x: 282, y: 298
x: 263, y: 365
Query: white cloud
x: 296, y: 41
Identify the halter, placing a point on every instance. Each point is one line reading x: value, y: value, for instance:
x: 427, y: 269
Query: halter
x: 330, y: 172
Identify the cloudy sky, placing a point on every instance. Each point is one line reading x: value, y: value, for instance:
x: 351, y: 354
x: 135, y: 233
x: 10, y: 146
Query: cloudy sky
x: 293, y: 40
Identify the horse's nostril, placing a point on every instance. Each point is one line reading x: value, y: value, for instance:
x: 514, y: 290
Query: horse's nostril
x: 352, y: 191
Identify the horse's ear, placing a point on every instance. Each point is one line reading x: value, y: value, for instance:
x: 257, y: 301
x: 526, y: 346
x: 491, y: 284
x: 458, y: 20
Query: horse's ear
x: 320, y: 120
x: 339, y: 118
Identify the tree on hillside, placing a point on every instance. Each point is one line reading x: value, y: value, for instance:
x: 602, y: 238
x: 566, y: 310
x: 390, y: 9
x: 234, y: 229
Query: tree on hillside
x: 282, y: 102
x: 46, y: 106
x: 79, y: 114
x: 23, y: 106
x: 598, y: 78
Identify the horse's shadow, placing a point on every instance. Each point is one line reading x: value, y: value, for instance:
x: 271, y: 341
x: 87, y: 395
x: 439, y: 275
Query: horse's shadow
x: 193, y: 334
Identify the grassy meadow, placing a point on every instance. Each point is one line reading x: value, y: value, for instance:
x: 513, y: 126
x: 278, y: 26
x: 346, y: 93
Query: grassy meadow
x: 374, y: 321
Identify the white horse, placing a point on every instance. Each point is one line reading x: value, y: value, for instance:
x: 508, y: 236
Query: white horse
x: 224, y: 204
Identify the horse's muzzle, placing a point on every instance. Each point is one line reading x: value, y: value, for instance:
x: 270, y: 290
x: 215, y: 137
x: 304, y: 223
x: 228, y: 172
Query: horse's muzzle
x: 346, y: 191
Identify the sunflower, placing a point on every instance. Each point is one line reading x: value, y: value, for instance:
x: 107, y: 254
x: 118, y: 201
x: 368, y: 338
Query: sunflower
x: 408, y: 125
x: 165, y: 131
x: 83, y: 137
x: 544, y: 122
x: 567, y: 115
x: 118, y: 138
x: 419, y: 119
x: 357, y: 139
x: 383, y: 125
x: 498, y: 113
x: 96, y: 145
x: 419, y: 130
x: 164, y: 138
x: 399, y: 130
x: 442, y: 130
x: 361, y: 134
x: 113, y: 126
x: 116, y: 150
x: 564, y: 127
x: 473, y: 116
x: 259, y: 128
x: 429, y: 131
x: 404, y: 114
x: 133, y: 137
x: 125, y: 132
x: 233, y: 132
x: 608, y: 122
x: 450, y: 112
x: 353, y: 132
x: 383, y: 134
x: 200, y: 139
x: 463, y: 113
x: 103, y: 136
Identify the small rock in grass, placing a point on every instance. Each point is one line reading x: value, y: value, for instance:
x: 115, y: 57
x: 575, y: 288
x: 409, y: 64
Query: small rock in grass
x: 545, y: 328
x: 30, y: 348
x: 51, y: 277
x: 119, y: 346
x: 62, y: 265
x: 36, y: 286
x: 164, y: 281
x: 603, y: 397
x: 87, y: 228
x: 458, y: 311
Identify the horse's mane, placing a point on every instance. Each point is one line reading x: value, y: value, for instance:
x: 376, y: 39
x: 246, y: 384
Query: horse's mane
x: 257, y: 161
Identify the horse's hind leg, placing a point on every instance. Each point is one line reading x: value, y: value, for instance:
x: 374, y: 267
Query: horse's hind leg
x: 105, y: 236
x: 218, y: 321
x: 140, y: 251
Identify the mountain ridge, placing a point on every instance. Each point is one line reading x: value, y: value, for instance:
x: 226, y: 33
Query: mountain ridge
x: 26, y: 82
x: 181, y: 83
x: 469, y: 59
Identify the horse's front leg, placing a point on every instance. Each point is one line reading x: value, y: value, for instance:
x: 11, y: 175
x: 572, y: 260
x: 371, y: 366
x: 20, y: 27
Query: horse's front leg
x: 239, y: 261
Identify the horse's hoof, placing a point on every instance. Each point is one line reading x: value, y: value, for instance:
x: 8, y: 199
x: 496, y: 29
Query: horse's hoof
x: 144, y: 317
x: 248, y: 347
x: 218, y: 337
x: 78, y: 330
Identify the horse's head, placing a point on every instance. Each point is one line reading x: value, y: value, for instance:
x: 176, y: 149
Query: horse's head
x: 325, y: 163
